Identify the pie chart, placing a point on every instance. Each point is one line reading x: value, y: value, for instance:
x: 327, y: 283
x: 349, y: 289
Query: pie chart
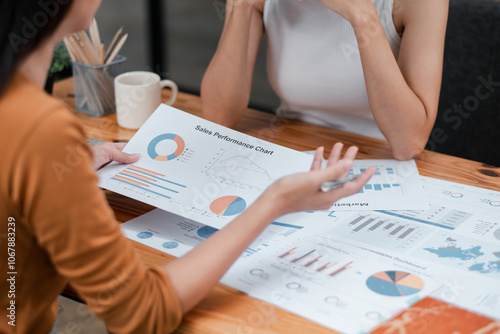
x: 395, y: 283
x: 206, y: 231
x: 144, y: 235
x: 497, y: 234
x: 170, y: 245
x: 179, y: 147
x: 228, y: 205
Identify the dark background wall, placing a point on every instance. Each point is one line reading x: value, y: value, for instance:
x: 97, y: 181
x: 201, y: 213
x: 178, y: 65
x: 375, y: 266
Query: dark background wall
x: 468, y: 120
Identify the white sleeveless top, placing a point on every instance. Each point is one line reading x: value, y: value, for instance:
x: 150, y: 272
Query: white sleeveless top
x: 314, y: 66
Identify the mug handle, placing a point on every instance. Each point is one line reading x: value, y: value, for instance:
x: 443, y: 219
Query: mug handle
x: 170, y: 84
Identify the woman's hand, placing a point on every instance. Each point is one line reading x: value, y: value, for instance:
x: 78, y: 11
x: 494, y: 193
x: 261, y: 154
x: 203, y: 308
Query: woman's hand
x: 301, y: 192
x: 104, y: 153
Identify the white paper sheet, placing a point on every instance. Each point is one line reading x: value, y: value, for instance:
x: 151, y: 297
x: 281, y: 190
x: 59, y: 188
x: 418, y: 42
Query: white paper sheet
x: 210, y: 174
x: 455, y: 245
x: 198, y: 169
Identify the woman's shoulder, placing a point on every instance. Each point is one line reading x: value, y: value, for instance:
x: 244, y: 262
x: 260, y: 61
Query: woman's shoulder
x: 25, y: 105
x: 31, y: 117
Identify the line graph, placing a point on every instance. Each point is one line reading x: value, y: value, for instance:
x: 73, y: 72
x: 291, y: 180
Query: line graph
x: 238, y: 169
x: 232, y: 163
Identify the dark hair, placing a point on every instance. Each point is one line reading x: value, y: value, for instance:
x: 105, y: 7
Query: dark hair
x: 25, y: 24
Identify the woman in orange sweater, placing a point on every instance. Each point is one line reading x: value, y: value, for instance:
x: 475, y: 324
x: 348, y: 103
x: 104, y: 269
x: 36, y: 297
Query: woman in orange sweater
x: 55, y: 223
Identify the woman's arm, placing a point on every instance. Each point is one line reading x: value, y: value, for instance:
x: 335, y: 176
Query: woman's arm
x: 298, y: 192
x: 226, y: 85
x: 403, y: 94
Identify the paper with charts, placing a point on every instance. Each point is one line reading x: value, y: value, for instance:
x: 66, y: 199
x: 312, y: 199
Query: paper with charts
x: 209, y: 173
x: 303, y: 269
x: 395, y: 185
x: 351, y: 270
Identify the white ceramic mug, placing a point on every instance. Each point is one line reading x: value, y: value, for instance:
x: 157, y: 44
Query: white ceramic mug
x: 137, y: 95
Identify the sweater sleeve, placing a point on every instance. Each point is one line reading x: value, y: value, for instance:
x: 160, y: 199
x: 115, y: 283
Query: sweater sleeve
x: 74, y: 224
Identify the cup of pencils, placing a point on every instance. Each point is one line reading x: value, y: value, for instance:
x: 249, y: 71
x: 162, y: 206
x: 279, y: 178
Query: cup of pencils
x: 94, y: 70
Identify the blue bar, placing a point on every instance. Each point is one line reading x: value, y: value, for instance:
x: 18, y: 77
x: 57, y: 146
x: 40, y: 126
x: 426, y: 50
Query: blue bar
x: 377, y: 187
x: 154, y: 192
x: 386, y: 185
x: 368, y: 186
x: 415, y: 219
x: 303, y: 256
x: 287, y: 225
x: 148, y: 182
x: 156, y: 177
x: 395, y: 185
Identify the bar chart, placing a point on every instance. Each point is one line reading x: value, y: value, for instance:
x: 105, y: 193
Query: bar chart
x: 381, y: 231
x: 385, y: 180
x: 316, y: 259
x: 395, y: 185
x: 275, y: 232
x: 147, y: 183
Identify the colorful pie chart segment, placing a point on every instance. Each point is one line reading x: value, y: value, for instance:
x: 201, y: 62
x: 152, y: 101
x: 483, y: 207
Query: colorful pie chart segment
x: 173, y: 155
x: 144, y: 235
x: 170, y: 245
x: 395, y: 283
x: 228, y: 206
x: 206, y: 231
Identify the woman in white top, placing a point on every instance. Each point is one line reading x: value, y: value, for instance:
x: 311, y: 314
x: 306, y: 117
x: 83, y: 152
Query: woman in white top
x: 372, y: 67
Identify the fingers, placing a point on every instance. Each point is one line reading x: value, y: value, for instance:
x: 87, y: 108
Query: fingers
x: 355, y: 186
x: 351, y: 153
x: 122, y: 157
x: 318, y: 158
x: 336, y: 171
x: 113, y: 152
x: 350, y: 188
x: 335, y: 154
x: 120, y: 146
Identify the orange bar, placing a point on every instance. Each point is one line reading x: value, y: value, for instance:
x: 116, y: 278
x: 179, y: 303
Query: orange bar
x: 145, y: 170
x: 142, y: 177
x: 287, y: 253
x: 130, y: 181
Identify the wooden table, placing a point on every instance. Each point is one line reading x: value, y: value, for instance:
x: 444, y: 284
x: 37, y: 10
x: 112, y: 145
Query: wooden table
x: 226, y: 310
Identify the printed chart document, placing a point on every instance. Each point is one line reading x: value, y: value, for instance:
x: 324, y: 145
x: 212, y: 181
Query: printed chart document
x: 351, y: 270
x: 343, y: 287
x: 210, y: 174
x: 198, y: 169
x: 395, y: 184
x: 176, y: 235
x: 457, y: 238
x: 298, y: 264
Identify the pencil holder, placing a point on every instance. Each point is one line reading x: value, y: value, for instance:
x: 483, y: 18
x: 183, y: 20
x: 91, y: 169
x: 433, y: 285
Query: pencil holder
x: 94, y: 86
